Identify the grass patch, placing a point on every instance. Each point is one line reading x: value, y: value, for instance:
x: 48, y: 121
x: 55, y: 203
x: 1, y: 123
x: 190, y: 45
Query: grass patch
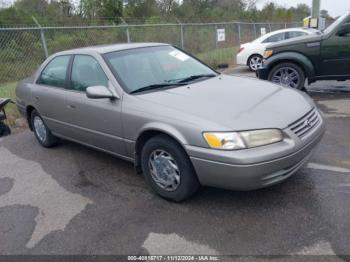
x: 219, y: 56
x: 8, y: 91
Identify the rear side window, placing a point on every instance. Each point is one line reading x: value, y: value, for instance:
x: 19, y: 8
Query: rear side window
x: 86, y: 71
x: 294, y: 34
x: 55, y: 72
x: 275, y: 38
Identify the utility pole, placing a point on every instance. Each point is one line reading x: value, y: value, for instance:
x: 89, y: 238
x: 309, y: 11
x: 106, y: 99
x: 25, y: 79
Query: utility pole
x: 316, y: 8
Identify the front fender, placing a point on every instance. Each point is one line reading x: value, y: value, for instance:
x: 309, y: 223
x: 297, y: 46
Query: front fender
x: 166, y: 129
x: 294, y: 57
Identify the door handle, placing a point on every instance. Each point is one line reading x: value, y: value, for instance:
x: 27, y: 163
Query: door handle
x: 71, y: 106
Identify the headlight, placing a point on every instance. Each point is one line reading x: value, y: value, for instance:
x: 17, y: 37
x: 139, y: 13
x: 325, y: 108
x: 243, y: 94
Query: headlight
x: 241, y: 140
x: 268, y: 53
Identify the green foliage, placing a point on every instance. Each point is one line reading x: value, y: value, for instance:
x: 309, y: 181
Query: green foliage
x: 142, y: 9
x: 110, y: 10
x: 218, y: 56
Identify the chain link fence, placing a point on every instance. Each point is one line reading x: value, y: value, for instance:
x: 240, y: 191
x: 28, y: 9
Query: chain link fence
x: 22, y: 50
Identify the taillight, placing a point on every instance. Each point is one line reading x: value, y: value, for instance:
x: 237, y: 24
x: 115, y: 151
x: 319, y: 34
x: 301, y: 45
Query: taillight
x: 241, y: 49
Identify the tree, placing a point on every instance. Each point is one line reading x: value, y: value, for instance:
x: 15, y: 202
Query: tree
x: 33, y: 7
x: 142, y: 9
x: 167, y: 6
x: 112, y: 10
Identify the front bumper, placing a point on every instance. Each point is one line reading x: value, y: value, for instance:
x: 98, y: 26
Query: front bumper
x: 262, y: 73
x: 250, y: 173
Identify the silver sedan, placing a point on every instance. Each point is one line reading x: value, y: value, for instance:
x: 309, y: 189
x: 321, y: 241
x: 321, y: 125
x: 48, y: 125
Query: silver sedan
x: 180, y: 122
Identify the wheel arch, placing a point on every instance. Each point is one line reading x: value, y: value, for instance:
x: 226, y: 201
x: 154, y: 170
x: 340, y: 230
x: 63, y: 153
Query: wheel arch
x: 147, y: 133
x: 29, y: 110
x: 292, y: 57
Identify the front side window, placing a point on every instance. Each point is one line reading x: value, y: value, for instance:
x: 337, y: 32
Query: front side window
x: 275, y: 38
x: 161, y: 65
x: 55, y: 72
x: 86, y: 71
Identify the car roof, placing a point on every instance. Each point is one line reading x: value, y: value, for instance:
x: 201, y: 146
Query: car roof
x: 102, y: 49
x: 300, y: 29
x: 303, y: 29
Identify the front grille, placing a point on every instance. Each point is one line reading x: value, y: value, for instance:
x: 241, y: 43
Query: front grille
x: 305, y: 124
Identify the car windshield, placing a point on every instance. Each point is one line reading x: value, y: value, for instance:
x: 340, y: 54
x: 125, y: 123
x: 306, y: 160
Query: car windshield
x: 158, y: 67
x: 337, y: 22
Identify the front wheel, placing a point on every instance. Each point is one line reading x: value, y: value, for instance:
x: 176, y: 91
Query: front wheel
x: 168, y: 169
x: 289, y: 75
x: 41, y: 131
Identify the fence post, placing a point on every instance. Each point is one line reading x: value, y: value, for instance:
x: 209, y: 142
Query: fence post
x: 216, y: 36
x: 42, y: 36
x: 181, y: 33
x: 239, y: 33
x: 255, y: 35
x: 126, y: 30
x: 270, y: 28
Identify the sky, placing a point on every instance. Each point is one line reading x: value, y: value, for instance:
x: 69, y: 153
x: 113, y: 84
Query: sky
x: 334, y: 7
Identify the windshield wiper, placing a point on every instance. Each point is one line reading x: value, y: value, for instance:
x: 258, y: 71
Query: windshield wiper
x: 155, y: 86
x: 194, y: 77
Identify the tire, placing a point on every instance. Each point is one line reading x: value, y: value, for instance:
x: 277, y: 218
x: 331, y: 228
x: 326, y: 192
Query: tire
x: 4, y: 130
x: 187, y: 183
x: 255, y: 62
x: 288, y: 74
x: 41, y: 131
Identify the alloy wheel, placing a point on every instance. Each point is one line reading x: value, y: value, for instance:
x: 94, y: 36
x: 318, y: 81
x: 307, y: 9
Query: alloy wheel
x: 286, y: 76
x: 255, y: 63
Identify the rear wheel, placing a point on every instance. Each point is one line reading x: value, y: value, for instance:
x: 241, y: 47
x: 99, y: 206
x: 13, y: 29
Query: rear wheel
x: 288, y: 74
x: 41, y: 131
x: 255, y: 62
x: 168, y: 169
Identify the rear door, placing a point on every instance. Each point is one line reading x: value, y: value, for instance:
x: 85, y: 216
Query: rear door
x: 96, y: 122
x: 48, y: 93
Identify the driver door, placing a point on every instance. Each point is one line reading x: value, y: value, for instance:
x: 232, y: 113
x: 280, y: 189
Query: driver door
x: 96, y: 122
x: 335, y: 55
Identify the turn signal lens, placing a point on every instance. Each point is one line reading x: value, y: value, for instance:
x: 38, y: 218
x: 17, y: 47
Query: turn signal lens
x: 268, y: 53
x: 227, y: 141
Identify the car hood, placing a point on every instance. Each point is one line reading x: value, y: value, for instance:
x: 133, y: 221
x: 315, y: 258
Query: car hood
x: 233, y: 103
x: 297, y: 40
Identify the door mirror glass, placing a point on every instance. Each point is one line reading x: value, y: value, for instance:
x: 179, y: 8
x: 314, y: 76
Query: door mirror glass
x: 344, y: 30
x: 99, y: 92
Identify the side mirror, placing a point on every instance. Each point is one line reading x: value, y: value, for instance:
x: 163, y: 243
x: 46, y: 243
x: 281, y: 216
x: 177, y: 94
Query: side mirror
x: 344, y: 30
x: 98, y: 92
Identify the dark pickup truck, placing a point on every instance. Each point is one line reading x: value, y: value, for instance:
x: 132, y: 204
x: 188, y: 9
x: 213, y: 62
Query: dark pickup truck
x: 323, y: 56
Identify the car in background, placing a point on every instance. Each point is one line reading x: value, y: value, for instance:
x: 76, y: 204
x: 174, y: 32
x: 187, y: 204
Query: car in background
x: 322, y: 56
x: 180, y: 122
x: 251, y: 54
